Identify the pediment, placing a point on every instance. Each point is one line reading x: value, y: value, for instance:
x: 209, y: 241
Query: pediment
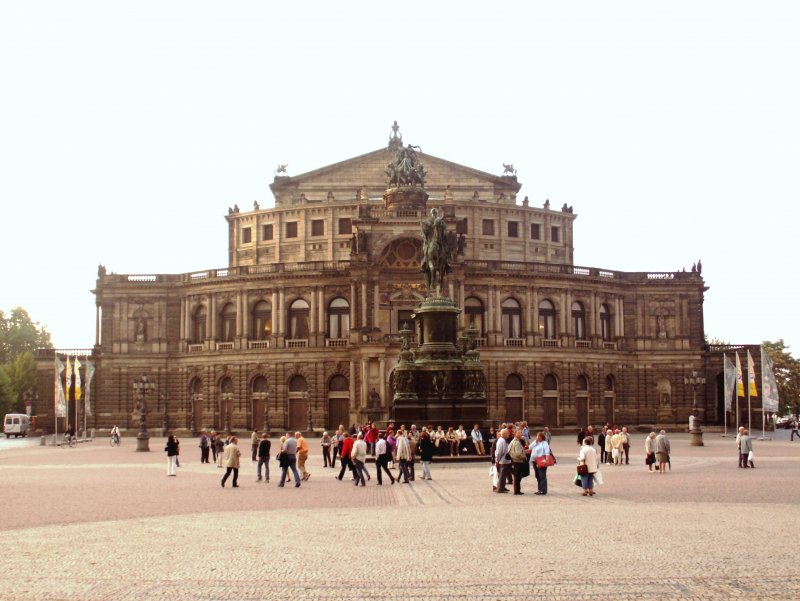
x: 365, y: 174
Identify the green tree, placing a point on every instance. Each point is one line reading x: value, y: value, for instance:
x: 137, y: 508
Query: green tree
x: 22, y: 373
x: 787, y: 375
x: 20, y: 334
x: 7, y: 396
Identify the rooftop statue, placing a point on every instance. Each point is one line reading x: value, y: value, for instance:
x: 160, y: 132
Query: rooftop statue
x: 406, y: 170
x: 436, y: 251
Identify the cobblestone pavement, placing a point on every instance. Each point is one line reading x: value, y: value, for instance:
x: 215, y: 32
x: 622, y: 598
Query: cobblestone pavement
x: 96, y: 522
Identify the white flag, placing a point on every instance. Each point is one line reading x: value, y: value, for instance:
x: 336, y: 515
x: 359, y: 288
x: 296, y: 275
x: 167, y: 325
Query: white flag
x: 59, y: 402
x: 89, y: 376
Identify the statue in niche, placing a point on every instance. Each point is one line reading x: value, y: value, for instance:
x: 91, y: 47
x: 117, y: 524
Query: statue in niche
x: 362, y: 242
x: 661, y: 326
x: 141, y: 330
x: 374, y: 398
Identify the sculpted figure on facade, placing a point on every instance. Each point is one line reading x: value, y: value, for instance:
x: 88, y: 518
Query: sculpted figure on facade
x: 435, y: 251
x: 406, y: 170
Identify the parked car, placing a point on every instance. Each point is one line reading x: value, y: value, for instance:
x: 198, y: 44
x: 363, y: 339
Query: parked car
x: 785, y: 422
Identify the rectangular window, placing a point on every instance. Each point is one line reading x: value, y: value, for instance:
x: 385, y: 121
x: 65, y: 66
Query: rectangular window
x: 247, y: 236
x: 536, y: 231
x: 345, y: 226
x: 488, y: 227
x: 267, y: 232
x: 317, y: 227
x: 291, y: 229
x: 513, y: 229
x: 554, y: 234
x: 461, y: 227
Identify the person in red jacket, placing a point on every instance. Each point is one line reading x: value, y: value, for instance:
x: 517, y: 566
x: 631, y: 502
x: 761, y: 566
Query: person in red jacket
x: 372, y: 438
x: 347, y: 463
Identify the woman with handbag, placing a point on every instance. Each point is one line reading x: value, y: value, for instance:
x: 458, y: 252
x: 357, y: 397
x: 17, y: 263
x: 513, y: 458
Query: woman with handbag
x: 540, y: 458
x: 587, y: 467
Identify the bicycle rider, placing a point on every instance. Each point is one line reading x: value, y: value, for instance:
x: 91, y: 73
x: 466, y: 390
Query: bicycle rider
x: 115, y: 434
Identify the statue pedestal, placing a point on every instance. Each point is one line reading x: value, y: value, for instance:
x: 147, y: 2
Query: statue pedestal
x: 696, y: 438
x: 142, y: 442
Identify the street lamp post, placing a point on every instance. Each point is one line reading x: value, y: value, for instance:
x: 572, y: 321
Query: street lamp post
x: 696, y: 419
x: 141, y: 386
x: 309, y: 425
x: 266, y: 413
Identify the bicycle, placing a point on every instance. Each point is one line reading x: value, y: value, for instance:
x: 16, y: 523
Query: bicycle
x: 69, y: 440
x: 115, y: 441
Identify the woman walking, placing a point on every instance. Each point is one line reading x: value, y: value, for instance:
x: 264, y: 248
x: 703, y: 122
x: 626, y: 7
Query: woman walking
x: 588, y: 458
x: 539, y: 458
x: 650, y: 451
x: 172, y: 455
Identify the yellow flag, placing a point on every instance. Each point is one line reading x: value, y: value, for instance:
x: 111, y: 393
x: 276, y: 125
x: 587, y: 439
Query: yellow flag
x: 77, y: 379
x: 751, y: 375
x: 739, y: 381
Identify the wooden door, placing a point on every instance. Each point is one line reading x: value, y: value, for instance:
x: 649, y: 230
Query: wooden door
x: 609, y: 402
x: 257, y: 415
x: 513, y: 409
x: 582, y: 411
x: 198, y: 415
x: 551, y: 412
x: 298, y: 418
x: 338, y: 413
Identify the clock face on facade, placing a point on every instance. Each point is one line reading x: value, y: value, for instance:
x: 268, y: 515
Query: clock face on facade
x: 402, y: 254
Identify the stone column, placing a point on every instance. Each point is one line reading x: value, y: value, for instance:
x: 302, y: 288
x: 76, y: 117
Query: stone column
x: 384, y: 398
x: 376, y: 301
x: 364, y: 304
x: 97, y: 324
x: 352, y: 385
x: 490, y: 310
x: 274, y: 313
x: 353, y: 305
x: 282, y: 312
x: 621, y: 318
x: 462, y: 315
x: 211, y: 318
x: 362, y: 397
x: 312, y: 314
x: 321, y: 309
x: 244, y: 330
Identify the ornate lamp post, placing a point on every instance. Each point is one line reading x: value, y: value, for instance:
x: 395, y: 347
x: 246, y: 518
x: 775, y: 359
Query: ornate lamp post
x: 141, y: 386
x: 309, y: 425
x: 226, y: 406
x: 695, y: 420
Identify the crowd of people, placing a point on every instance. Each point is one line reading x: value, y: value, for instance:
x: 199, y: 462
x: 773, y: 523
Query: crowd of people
x: 514, y: 451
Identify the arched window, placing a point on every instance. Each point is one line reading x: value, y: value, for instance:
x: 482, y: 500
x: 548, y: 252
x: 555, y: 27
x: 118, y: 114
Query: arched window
x: 195, y: 387
x: 578, y: 321
x: 511, y: 315
x: 609, y: 383
x: 338, y: 318
x: 582, y: 384
x: 473, y: 311
x: 547, y: 320
x: 226, y: 386
x: 605, y: 322
x: 227, y: 323
x: 514, y: 412
x: 262, y: 320
x: 298, y: 320
x: 298, y: 384
x: 550, y: 383
x: 338, y: 383
x: 199, y: 325
x: 513, y: 382
x: 259, y: 384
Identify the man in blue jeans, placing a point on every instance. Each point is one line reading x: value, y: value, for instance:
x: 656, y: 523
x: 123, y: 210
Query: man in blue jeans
x: 290, y: 448
x: 263, y: 457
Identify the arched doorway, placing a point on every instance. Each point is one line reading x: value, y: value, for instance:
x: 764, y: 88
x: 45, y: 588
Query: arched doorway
x: 298, y: 404
x: 550, y: 397
x: 338, y: 402
x: 513, y: 398
x: 225, y: 402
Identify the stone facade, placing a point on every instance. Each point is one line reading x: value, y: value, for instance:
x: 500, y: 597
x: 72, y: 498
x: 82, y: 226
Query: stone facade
x: 301, y: 327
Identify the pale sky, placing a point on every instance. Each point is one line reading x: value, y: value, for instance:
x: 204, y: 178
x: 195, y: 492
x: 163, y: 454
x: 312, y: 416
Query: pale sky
x: 128, y: 129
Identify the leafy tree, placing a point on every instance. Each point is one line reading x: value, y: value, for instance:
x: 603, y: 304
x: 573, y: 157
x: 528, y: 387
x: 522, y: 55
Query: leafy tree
x: 7, y: 395
x: 22, y: 373
x: 787, y: 375
x: 19, y: 334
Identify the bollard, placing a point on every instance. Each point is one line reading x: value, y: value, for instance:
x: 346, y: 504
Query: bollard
x: 43, y: 441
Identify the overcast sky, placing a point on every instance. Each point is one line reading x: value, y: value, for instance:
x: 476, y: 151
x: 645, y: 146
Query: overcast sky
x: 127, y: 129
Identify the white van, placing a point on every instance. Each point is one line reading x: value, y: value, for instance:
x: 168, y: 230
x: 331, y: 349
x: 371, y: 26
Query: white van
x: 17, y: 424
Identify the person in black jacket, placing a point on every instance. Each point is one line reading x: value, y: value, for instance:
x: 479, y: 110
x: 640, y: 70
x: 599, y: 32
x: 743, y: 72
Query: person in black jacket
x: 263, y: 457
x: 426, y: 450
x: 172, y: 455
x: 601, y: 441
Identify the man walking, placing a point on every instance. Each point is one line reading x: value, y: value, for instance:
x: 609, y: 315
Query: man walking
x: 359, y: 456
x: 263, y: 457
x: 231, y: 461
x: 519, y: 461
x: 382, y: 455
x: 794, y: 430
x: 302, y: 455
x: 290, y: 448
x: 346, y: 459
x: 502, y: 461
x: 739, y: 435
x: 746, y: 449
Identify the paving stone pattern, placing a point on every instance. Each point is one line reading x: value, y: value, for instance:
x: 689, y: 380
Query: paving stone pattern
x: 97, y: 523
